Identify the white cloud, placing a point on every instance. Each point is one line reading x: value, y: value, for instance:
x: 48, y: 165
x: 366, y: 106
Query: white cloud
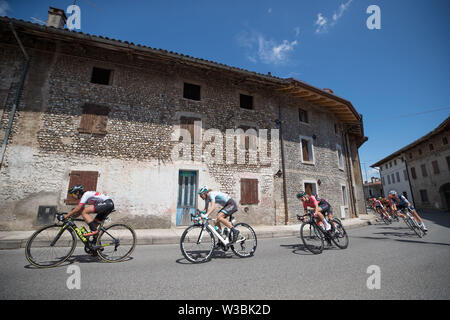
x: 4, y: 7
x: 322, y: 22
x: 267, y: 51
x: 297, y: 31
x: 270, y: 10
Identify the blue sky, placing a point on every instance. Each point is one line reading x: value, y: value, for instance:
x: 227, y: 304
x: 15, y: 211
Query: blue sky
x: 389, y: 75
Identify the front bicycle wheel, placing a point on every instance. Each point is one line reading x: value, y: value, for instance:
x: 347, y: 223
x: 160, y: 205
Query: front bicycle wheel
x: 197, y: 244
x: 312, y: 238
x: 340, y: 237
x: 417, y: 229
x: 50, y: 246
x: 245, y: 245
x: 115, y: 243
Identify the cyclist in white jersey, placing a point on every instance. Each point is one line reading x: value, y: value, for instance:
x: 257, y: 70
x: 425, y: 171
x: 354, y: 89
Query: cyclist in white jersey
x: 90, y: 202
x: 229, y: 207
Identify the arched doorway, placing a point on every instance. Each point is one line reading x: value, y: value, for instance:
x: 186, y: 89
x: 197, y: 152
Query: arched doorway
x: 444, y: 191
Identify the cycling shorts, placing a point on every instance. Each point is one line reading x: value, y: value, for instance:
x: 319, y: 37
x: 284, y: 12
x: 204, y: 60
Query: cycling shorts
x: 103, y: 209
x: 326, y: 208
x: 229, y: 208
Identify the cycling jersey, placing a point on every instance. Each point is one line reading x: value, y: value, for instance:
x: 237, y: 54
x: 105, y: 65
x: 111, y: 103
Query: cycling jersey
x: 92, y: 198
x: 378, y: 203
x: 402, y: 202
x: 218, y: 197
x: 229, y: 206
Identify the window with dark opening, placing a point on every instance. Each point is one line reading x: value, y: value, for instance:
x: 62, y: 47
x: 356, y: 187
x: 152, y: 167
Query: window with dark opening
x: 413, y: 173
x: 431, y: 147
x: 101, y: 76
x: 424, y: 196
x: 302, y: 115
x: 424, y: 170
x: 444, y: 140
x: 191, y: 91
x: 435, y: 167
x: 246, y: 101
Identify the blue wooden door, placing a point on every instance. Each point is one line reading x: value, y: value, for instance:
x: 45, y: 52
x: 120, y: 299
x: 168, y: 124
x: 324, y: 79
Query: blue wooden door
x: 187, y: 196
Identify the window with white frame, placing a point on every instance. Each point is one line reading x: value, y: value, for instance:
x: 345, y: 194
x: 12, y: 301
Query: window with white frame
x: 340, y: 157
x: 307, y: 150
x: 344, y: 194
x: 310, y: 187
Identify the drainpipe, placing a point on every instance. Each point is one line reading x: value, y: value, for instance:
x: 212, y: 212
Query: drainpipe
x: 349, y: 174
x: 409, y: 181
x: 283, y: 168
x: 16, y: 99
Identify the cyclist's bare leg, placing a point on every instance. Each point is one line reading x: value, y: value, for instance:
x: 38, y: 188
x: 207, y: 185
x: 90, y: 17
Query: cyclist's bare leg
x: 86, y: 213
x: 221, y: 218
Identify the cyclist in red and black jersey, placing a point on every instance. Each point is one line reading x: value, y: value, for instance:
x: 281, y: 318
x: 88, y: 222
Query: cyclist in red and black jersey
x: 90, y: 202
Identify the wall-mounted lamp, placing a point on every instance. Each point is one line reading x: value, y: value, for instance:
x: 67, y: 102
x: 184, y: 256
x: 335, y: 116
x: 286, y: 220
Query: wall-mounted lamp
x: 279, y: 173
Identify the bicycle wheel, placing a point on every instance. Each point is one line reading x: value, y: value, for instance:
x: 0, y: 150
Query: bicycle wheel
x: 197, y: 244
x: 116, y: 242
x: 50, y: 246
x: 417, y: 229
x: 340, y: 237
x: 245, y: 245
x: 312, y: 238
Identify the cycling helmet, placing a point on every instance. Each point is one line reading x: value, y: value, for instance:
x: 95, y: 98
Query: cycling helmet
x: 76, y: 188
x: 301, y: 194
x: 202, y: 190
x: 392, y: 193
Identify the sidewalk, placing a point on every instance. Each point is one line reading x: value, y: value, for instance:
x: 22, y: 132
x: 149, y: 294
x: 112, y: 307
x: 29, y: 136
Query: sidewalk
x: 18, y: 239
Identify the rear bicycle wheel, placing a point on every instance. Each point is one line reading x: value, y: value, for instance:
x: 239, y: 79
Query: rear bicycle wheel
x: 197, y: 244
x: 116, y: 242
x: 312, y: 238
x: 50, y: 246
x: 245, y: 245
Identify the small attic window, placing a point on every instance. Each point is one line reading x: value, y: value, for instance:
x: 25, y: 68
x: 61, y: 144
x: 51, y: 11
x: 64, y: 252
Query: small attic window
x: 101, y: 76
x: 246, y: 101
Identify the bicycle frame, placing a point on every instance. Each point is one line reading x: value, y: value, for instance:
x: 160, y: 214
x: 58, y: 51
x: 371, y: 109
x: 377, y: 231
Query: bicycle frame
x: 205, y: 224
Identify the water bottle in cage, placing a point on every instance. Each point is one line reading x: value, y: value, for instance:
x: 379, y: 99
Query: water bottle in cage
x: 225, y: 232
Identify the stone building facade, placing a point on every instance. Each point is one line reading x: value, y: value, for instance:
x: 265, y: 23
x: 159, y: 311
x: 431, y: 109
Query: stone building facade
x: 427, y: 161
x: 108, y: 112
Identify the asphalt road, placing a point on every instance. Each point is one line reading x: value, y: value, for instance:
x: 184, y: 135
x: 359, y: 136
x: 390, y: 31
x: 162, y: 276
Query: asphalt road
x: 410, y: 268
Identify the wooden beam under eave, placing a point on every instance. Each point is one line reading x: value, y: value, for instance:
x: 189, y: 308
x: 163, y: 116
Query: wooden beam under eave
x: 302, y: 91
x: 290, y: 87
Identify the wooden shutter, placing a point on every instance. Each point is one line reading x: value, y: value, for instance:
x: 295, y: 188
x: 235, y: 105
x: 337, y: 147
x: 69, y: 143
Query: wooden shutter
x: 246, y: 138
x: 413, y: 173
x: 305, y: 150
x: 87, y: 178
x: 188, y: 124
x: 94, y: 119
x: 249, y: 191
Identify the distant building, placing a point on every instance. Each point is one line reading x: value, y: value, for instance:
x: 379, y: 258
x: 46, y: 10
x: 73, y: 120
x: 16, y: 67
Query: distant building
x: 373, y: 189
x: 424, y: 167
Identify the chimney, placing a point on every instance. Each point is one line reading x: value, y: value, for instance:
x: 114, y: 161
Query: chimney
x: 56, y: 18
x: 328, y: 90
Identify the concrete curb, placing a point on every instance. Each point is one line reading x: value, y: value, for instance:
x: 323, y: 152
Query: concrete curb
x: 18, y: 239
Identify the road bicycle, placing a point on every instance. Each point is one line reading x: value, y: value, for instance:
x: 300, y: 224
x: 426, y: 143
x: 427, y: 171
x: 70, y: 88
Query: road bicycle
x: 412, y: 223
x: 384, y: 216
x: 198, y: 241
x: 314, y: 236
x: 53, y: 244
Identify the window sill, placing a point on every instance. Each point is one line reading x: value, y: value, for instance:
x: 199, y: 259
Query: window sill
x: 309, y: 163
